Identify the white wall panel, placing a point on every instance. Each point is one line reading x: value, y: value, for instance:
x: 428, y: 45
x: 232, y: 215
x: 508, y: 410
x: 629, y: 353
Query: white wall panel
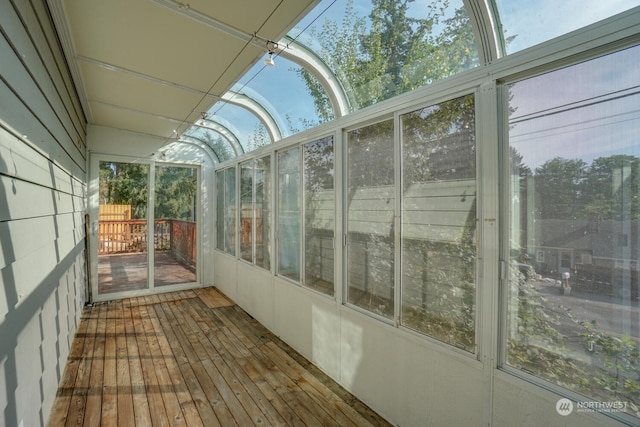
x: 255, y: 293
x: 225, y: 274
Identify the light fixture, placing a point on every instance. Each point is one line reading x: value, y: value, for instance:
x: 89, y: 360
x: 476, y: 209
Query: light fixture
x: 272, y: 47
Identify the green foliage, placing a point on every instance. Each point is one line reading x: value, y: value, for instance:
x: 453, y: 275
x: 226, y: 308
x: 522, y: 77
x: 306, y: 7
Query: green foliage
x: 608, y: 189
x: 175, y: 193
x: 391, y: 52
x: 536, y: 345
x: 126, y: 184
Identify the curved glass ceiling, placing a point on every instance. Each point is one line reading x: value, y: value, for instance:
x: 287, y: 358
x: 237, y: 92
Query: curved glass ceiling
x: 249, y: 131
x: 385, y: 49
x: 220, y: 146
x: 530, y: 22
x: 375, y: 50
x: 282, y: 90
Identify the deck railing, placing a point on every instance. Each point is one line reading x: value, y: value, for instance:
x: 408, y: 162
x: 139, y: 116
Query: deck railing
x: 130, y: 236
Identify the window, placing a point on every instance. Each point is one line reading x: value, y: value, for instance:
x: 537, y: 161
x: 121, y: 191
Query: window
x: 255, y: 197
x: 246, y: 210
x: 263, y: 191
x: 370, y: 215
x: 574, y: 160
x: 319, y: 222
x: 226, y: 210
x: 289, y: 213
x: 439, y: 221
x: 220, y: 210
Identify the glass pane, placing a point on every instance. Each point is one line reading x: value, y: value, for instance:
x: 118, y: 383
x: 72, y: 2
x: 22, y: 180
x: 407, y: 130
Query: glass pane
x: 574, y: 159
x: 244, y: 124
x: 370, y: 218
x: 246, y: 211
x: 530, y: 23
x: 439, y: 221
x: 319, y: 222
x: 289, y: 213
x: 122, y: 227
x: 220, y: 237
x: 220, y: 146
x: 175, y: 225
x: 381, y: 49
x: 263, y: 212
x: 293, y: 109
x: 230, y: 210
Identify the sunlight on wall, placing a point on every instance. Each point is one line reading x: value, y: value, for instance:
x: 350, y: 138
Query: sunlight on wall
x: 352, y: 354
x: 325, y: 325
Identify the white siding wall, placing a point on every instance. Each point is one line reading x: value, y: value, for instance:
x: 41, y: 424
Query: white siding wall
x: 42, y: 205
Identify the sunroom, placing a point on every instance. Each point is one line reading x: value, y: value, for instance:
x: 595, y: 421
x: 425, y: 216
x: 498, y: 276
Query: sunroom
x: 435, y: 203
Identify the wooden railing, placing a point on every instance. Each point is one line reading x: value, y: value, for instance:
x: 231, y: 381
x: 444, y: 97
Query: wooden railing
x: 130, y: 236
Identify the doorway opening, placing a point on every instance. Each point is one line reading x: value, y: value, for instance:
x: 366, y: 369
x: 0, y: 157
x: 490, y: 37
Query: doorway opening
x: 146, y: 229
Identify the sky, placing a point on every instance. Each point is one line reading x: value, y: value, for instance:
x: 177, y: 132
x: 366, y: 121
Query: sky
x: 531, y: 21
x: 535, y: 21
x: 586, y: 111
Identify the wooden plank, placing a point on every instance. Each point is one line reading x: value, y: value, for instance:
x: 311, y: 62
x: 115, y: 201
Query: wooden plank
x: 93, y: 409
x: 305, y: 395
x: 238, y: 337
x: 179, y: 362
x: 140, y: 401
x: 191, y: 415
x: 156, y: 404
x: 284, y: 387
x: 213, y: 298
x: 172, y: 331
x: 252, y: 398
x: 201, y: 365
x: 72, y: 372
x: 244, y: 409
x: 110, y: 379
x: 343, y: 413
x: 126, y: 415
x: 165, y: 385
x: 254, y: 374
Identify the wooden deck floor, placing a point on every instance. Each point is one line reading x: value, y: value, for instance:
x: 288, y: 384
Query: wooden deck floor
x: 126, y: 272
x: 193, y: 358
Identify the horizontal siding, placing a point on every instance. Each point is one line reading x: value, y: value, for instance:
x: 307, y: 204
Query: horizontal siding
x: 42, y: 206
x: 24, y: 162
x: 45, y: 66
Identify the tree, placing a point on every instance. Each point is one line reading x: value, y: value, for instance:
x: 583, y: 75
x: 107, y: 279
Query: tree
x: 392, y: 52
x: 125, y: 184
x: 560, y: 188
x: 175, y: 192
x: 612, y: 188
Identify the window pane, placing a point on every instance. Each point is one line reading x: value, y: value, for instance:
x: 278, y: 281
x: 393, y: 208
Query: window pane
x: 246, y: 211
x: 370, y: 218
x: 439, y: 221
x: 230, y: 211
x: 378, y: 50
x: 574, y: 238
x: 263, y: 212
x: 289, y: 213
x: 175, y: 227
x: 220, y: 236
x: 319, y: 205
x: 530, y: 23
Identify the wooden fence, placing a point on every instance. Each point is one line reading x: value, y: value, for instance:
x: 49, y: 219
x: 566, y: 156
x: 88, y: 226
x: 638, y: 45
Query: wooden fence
x: 130, y: 236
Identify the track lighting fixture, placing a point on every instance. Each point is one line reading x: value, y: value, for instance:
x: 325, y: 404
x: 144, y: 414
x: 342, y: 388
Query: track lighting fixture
x: 272, y: 47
